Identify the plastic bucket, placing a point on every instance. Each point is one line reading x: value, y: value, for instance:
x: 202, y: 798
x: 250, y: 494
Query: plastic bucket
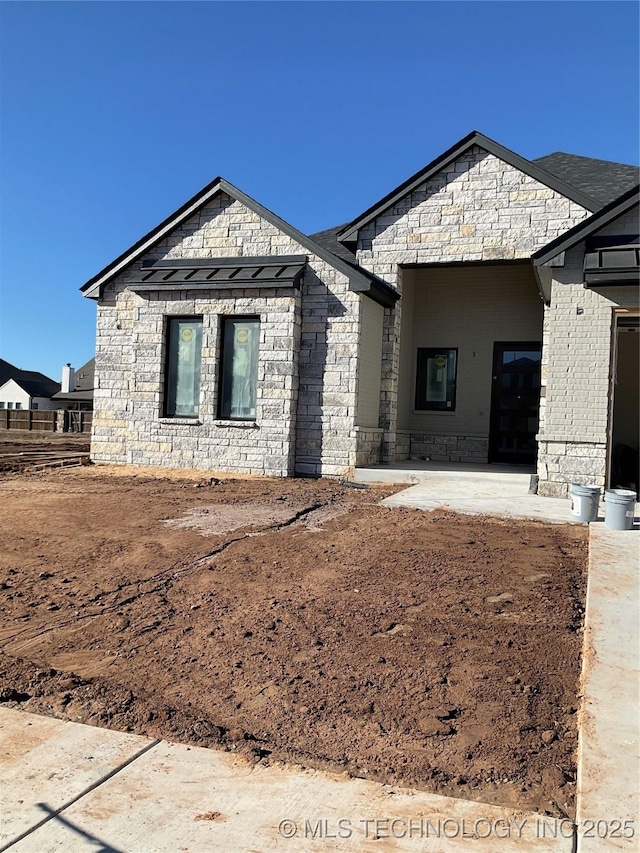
x: 619, y: 509
x: 584, y: 502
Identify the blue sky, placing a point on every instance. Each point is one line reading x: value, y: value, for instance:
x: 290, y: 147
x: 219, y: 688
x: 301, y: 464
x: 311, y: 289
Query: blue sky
x: 114, y: 114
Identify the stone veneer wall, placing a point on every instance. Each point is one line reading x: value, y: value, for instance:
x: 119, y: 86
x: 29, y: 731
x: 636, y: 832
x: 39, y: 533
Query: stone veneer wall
x: 561, y: 463
x: 449, y: 448
x: 368, y: 448
x: 403, y: 446
x: 478, y: 209
x: 308, y: 361
x: 142, y: 436
x: 579, y: 325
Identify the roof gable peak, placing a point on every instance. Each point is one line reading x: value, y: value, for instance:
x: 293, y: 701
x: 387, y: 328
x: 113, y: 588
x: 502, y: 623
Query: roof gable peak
x: 475, y: 138
x: 360, y: 280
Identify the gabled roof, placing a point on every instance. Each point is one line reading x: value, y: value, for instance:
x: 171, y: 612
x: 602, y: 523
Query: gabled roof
x: 39, y: 387
x: 7, y: 371
x: 83, y: 378
x: 10, y: 371
x: 601, y: 179
x: 349, y: 232
x: 359, y: 280
x: 626, y: 202
x: 328, y: 239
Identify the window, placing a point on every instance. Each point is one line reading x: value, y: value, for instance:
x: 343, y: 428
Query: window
x: 34, y: 405
x: 436, y: 379
x: 9, y: 405
x: 2, y: 405
x: 182, y: 388
x: 18, y: 405
x: 239, y: 367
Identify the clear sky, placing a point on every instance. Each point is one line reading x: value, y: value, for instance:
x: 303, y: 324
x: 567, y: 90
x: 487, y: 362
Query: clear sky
x: 114, y: 114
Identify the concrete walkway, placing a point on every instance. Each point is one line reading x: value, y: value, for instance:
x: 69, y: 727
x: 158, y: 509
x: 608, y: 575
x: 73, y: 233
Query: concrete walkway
x: 498, y: 503
x: 609, y: 724
x: 69, y: 788
x: 498, y: 490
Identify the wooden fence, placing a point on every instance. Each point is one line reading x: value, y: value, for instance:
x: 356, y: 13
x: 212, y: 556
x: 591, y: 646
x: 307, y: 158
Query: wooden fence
x: 44, y: 420
x: 77, y: 421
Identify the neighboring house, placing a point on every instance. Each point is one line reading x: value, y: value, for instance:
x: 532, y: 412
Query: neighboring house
x: 76, y: 391
x: 25, y: 389
x: 28, y: 393
x: 475, y: 313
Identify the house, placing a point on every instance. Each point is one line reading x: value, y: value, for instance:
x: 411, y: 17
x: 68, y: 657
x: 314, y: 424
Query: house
x: 76, y: 390
x: 25, y: 389
x: 486, y: 310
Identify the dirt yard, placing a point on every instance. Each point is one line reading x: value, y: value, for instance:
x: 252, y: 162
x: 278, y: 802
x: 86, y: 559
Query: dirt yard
x: 298, y: 621
x: 23, y: 449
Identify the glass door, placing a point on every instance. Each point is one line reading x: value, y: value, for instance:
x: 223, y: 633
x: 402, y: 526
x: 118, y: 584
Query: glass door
x: 515, y: 402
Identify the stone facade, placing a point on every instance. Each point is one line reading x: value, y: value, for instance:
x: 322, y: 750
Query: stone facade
x: 330, y: 358
x: 561, y: 463
x: 403, y: 446
x: 449, y: 448
x: 307, y: 367
x: 576, y: 412
x: 477, y: 209
x: 368, y: 447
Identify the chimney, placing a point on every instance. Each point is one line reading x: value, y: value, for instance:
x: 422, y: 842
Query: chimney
x: 67, y: 379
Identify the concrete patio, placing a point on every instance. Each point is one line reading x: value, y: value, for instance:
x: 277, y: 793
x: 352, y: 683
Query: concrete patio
x: 498, y: 490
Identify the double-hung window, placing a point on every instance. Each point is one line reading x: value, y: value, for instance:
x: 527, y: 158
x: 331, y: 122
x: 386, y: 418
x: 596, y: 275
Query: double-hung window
x: 239, y: 368
x: 182, y: 387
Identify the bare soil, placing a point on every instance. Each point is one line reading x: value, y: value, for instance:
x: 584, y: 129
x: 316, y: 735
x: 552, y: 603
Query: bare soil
x: 24, y: 449
x: 298, y: 621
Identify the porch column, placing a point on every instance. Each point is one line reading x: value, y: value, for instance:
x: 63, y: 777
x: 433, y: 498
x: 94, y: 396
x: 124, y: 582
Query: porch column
x: 390, y: 367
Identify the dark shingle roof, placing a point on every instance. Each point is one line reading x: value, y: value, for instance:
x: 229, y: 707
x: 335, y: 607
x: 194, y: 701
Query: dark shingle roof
x: 328, y: 240
x: 83, y: 377
x: 37, y: 384
x: 7, y: 371
x: 602, y: 179
x: 360, y: 281
x: 28, y: 379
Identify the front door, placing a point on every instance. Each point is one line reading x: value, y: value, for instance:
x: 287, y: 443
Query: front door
x: 515, y: 401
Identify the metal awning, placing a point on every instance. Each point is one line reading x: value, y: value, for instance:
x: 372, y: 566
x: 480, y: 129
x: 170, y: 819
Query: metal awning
x: 613, y: 264
x: 220, y: 273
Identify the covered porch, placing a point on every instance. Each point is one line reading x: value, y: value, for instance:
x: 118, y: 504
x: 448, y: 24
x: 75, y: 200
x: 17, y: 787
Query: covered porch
x: 469, y: 367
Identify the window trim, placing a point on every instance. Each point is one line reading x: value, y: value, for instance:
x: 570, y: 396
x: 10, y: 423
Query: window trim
x: 165, y: 415
x: 225, y: 321
x: 422, y: 406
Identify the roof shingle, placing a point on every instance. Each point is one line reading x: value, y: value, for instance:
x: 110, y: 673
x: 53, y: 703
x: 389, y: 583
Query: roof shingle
x: 602, y: 179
